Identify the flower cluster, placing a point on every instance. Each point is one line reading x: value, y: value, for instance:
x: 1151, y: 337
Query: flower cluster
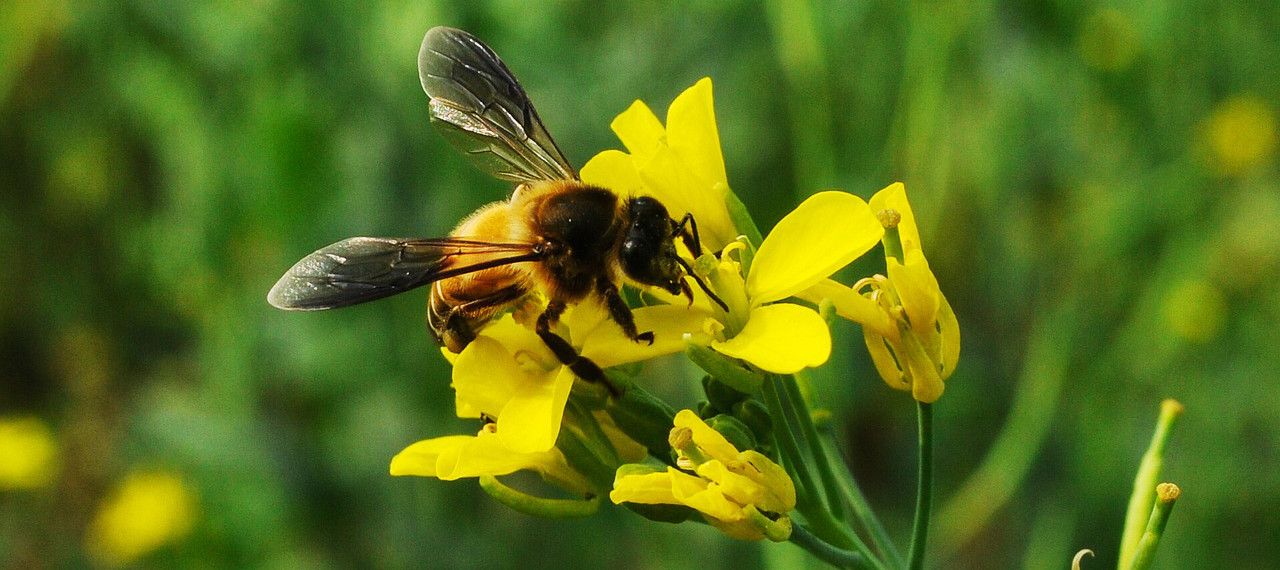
x: 740, y: 462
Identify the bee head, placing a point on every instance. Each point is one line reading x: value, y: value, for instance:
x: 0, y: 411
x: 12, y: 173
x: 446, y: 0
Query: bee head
x: 648, y: 253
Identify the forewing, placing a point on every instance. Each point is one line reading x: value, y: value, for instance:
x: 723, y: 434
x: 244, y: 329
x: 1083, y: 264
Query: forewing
x: 361, y: 269
x: 481, y: 109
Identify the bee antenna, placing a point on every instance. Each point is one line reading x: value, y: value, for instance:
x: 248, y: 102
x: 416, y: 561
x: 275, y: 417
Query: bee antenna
x: 701, y: 285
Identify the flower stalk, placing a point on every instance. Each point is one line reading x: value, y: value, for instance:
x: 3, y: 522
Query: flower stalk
x: 1144, y: 484
x: 924, y: 486
x: 538, y: 506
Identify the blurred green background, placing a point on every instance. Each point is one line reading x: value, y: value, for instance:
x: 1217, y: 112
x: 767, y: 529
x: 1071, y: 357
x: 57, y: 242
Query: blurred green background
x: 1097, y: 187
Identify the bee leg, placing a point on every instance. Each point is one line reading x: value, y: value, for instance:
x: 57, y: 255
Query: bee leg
x: 620, y: 312
x: 582, y: 367
x: 687, y: 230
x: 454, y: 326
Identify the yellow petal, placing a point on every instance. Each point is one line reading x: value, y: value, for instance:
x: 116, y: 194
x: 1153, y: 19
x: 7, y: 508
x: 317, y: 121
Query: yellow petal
x: 894, y: 197
x: 950, y: 332
x: 647, y: 488
x: 530, y: 422
x: 781, y: 338
x: 520, y: 340
x: 704, y: 497
x: 584, y: 319
x: 484, y: 376
x: 710, y: 441
x: 926, y: 383
x: 669, y: 177
x: 770, y: 475
x: 693, y: 135
x: 607, y: 346
x: 885, y: 357
x: 639, y: 130
x: 738, y: 488
x: 823, y: 234
x: 851, y: 305
x: 484, y: 455
x: 918, y: 292
x: 420, y: 458
x: 457, y: 456
x: 613, y: 169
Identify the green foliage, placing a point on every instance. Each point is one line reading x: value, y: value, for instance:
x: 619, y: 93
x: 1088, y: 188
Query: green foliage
x: 1097, y: 189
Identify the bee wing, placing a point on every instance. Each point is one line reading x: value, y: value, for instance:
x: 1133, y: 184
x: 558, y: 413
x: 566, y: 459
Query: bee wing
x: 482, y: 110
x: 361, y: 269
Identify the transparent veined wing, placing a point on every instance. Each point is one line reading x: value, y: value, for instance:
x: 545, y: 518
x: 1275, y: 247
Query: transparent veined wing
x: 360, y: 269
x: 481, y: 109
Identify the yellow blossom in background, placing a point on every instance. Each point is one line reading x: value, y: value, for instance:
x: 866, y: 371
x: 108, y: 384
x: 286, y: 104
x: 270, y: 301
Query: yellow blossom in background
x: 743, y: 493
x: 1195, y: 310
x: 1241, y: 134
x: 680, y: 164
x: 1108, y: 40
x: 907, y: 323
x: 28, y: 453
x: 147, y: 510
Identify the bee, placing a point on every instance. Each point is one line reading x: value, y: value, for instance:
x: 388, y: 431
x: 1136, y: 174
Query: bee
x: 555, y: 235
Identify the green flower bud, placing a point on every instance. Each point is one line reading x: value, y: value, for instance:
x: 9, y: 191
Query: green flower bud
x: 644, y: 418
x: 733, y: 430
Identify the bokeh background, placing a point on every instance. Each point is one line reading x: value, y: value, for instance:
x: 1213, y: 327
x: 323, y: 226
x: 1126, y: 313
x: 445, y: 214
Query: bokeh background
x: 1097, y: 185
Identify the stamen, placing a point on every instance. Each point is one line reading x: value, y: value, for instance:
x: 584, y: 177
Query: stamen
x: 701, y: 284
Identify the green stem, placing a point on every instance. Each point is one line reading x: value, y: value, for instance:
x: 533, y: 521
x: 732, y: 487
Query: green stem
x: 1144, y: 484
x: 864, y: 514
x: 924, y: 487
x: 826, y: 551
x: 786, y: 440
x: 1166, y: 495
x: 538, y: 506
x: 799, y: 455
x: 835, y: 499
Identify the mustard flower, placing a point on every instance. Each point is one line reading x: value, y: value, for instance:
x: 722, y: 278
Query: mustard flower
x: 30, y: 453
x: 148, y: 509
x: 507, y: 374
x: 743, y: 493
x: 907, y: 323
x: 510, y: 375
x: 823, y: 234
x: 681, y: 164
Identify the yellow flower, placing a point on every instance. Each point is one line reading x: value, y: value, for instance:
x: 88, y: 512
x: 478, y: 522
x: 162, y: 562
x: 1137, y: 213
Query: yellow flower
x: 1195, y: 310
x: 29, y: 452
x: 907, y: 323
x: 826, y: 232
x: 149, y: 509
x: 1241, y: 134
x: 455, y: 457
x: 510, y: 375
x: 743, y: 493
x: 681, y: 164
